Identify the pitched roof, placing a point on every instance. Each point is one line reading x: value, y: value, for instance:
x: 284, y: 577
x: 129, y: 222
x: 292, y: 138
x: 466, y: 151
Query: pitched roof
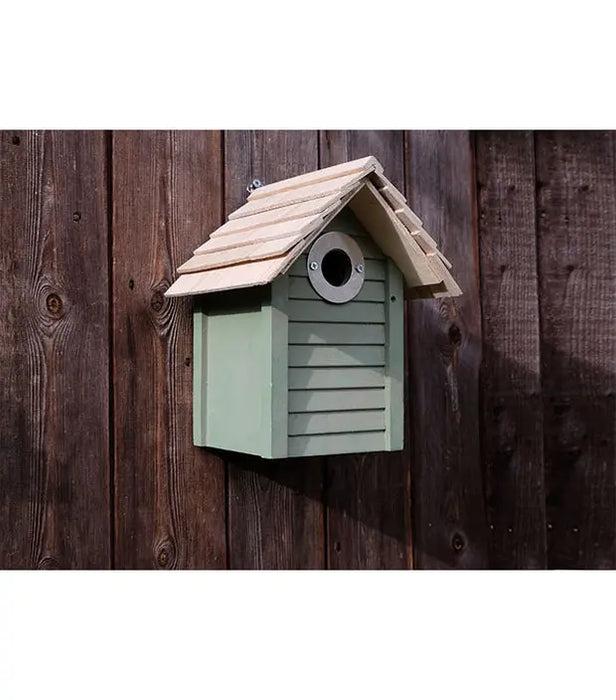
x: 265, y: 236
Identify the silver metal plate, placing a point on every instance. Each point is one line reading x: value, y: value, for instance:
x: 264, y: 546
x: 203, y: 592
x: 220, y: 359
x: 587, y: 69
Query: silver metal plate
x: 336, y: 268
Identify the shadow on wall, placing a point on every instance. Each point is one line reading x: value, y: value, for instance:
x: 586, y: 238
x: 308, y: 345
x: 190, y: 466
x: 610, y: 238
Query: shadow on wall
x: 545, y: 483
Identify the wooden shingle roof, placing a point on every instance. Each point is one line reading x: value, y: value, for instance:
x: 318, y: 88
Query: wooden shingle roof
x: 265, y: 236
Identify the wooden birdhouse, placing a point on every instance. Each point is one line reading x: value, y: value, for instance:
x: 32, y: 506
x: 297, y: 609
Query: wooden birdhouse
x: 299, y: 315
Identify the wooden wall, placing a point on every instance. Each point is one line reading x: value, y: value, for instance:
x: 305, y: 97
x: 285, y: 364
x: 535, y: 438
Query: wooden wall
x: 511, y: 420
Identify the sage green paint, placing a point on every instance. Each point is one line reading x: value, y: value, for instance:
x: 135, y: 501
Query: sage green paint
x: 394, y: 353
x: 279, y: 372
x: 240, y: 372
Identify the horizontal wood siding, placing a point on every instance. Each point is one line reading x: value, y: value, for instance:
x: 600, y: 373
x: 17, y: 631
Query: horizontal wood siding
x: 337, y: 359
x: 336, y: 444
x: 335, y: 399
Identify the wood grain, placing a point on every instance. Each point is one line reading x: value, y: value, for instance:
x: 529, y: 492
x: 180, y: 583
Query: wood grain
x: 54, y: 326
x: 577, y: 254
x: 444, y: 338
x: 512, y: 410
x: 170, y: 497
x: 275, y: 507
x: 368, y: 504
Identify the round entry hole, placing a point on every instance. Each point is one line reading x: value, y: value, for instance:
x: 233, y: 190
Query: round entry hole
x: 336, y: 267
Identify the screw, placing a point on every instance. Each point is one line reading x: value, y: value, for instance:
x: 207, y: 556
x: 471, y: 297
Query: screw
x: 314, y: 265
x: 254, y: 185
x: 359, y: 268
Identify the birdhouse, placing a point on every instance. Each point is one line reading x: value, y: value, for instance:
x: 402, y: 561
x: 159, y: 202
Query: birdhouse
x: 299, y: 315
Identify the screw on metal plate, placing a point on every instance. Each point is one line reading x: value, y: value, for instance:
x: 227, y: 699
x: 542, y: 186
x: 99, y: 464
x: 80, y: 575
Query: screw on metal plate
x: 254, y: 185
x: 314, y: 265
x: 359, y: 268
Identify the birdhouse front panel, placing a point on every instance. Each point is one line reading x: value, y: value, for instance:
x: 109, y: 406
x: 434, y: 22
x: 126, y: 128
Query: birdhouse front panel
x: 345, y: 360
x: 299, y: 315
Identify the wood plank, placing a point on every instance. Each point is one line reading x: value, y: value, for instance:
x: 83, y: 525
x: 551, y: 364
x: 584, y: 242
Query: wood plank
x: 54, y: 315
x: 300, y: 288
x: 303, y: 445
x: 170, y: 502
x: 335, y: 400
x: 335, y: 378
x: 260, y: 250
x: 334, y: 356
x: 394, y: 358
x: 576, y: 185
x: 275, y: 512
x: 450, y: 530
x: 392, y: 238
x: 312, y: 208
x: 336, y: 333
x: 324, y: 423
x: 321, y: 311
x: 252, y: 274
x: 512, y: 411
x: 363, y: 165
x: 282, y: 229
x: 368, y: 499
x: 306, y: 193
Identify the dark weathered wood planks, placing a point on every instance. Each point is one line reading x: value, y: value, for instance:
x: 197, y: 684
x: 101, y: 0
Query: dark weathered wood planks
x: 512, y: 411
x: 275, y: 508
x: 512, y: 465
x: 576, y: 186
x: 449, y: 522
x: 54, y: 311
x: 170, y: 497
x: 367, y: 496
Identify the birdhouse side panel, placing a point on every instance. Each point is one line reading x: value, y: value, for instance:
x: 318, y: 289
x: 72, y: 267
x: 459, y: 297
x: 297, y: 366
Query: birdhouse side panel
x: 232, y: 383
x: 338, y: 387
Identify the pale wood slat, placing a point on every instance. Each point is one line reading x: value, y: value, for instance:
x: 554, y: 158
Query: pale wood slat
x: 365, y: 165
x: 313, y: 207
x: 340, y: 186
x: 235, y: 277
x: 241, y: 255
x: 374, y: 213
x: 280, y: 229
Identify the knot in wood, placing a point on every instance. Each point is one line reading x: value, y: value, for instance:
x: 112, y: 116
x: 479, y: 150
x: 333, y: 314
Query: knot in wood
x: 76, y: 216
x: 157, y: 301
x: 54, y: 305
x: 165, y: 555
x: 457, y: 542
x: 48, y: 562
x: 455, y: 335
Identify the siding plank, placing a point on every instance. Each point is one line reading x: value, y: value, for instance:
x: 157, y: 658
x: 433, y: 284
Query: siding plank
x: 512, y: 409
x: 450, y: 529
x: 336, y: 378
x: 170, y: 504
x: 300, y: 288
x: 335, y: 422
x: 322, y: 312
x: 54, y: 329
x: 577, y: 257
x: 336, y: 333
x: 332, y: 356
x: 337, y: 445
x: 275, y: 512
x: 335, y: 400
x: 368, y: 503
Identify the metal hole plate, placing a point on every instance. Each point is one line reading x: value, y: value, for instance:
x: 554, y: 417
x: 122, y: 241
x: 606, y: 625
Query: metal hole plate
x: 335, y: 240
